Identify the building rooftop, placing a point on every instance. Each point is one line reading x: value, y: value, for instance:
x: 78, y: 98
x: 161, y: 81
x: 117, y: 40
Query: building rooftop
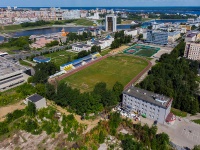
x: 34, y: 98
x: 156, y: 99
x: 7, y: 67
x: 173, y: 33
x: 191, y: 35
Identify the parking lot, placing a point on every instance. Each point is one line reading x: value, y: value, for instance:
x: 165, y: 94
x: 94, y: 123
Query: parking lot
x: 183, y: 133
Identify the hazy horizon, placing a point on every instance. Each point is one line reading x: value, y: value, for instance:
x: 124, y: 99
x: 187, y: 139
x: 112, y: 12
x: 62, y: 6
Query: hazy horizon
x: 101, y: 3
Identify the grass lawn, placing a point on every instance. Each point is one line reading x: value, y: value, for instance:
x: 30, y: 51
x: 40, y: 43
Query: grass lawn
x: 178, y: 112
x: 9, y: 49
x: 104, y: 52
x: 61, y: 57
x: 120, y: 68
x: 196, y: 121
x: 24, y: 63
x: 84, y: 22
x: 146, y: 52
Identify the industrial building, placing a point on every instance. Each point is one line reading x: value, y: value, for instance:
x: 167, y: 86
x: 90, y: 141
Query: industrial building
x: 156, y: 37
x: 11, y: 74
x: 146, y: 103
x: 111, y: 23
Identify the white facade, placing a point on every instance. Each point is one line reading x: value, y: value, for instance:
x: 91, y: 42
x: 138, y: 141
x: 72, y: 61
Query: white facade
x: 143, y: 102
x: 192, y: 51
x: 131, y: 32
x: 78, y: 47
x: 111, y: 23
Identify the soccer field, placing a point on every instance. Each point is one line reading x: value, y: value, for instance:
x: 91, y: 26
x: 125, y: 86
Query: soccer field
x: 61, y: 57
x: 120, y: 68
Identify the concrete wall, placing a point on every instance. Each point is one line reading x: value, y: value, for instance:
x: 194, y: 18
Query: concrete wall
x: 41, y: 104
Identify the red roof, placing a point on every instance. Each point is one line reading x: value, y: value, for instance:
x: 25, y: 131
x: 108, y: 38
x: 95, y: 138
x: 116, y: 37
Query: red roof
x: 170, y: 117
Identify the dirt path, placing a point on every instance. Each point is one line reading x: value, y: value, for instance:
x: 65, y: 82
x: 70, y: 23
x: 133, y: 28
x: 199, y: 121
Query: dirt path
x: 90, y: 123
x: 10, y: 108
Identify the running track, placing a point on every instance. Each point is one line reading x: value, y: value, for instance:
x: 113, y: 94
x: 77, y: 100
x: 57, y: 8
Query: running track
x: 53, y: 80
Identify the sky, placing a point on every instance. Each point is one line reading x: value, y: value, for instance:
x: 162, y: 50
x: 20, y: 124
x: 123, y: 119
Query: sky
x: 97, y: 3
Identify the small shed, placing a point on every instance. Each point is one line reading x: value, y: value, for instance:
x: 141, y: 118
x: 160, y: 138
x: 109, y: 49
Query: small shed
x: 39, y: 101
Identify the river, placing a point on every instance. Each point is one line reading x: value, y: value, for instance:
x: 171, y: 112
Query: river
x: 75, y: 29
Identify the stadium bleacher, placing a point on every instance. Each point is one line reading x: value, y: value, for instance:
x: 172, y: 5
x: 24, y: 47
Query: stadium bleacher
x: 78, y: 62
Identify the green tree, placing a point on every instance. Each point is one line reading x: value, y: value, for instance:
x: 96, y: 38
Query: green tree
x: 101, y: 137
x: 40, y: 89
x: 117, y: 89
x: 30, y: 110
x: 196, y: 147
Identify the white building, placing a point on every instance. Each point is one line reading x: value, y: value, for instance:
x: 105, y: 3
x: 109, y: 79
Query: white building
x: 78, y: 47
x: 131, y: 32
x: 111, y: 23
x: 173, y: 36
x: 103, y: 42
x: 39, y: 101
x: 71, y: 14
x: 153, y: 106
x: 192, y: 51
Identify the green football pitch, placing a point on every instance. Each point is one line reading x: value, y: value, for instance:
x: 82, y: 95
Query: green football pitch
x: 120, y: 68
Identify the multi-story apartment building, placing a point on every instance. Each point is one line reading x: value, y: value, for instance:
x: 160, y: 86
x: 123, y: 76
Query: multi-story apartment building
x: 156, y: 37
x: 111, y: 23
x: 146, y: 103
x: 192, y: 51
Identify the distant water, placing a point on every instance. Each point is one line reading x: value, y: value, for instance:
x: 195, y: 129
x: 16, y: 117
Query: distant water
x: 170, y: 10
x: 45, y: 31
x: 75, y: 29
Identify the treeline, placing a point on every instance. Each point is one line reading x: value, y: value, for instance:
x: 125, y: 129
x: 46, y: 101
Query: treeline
x: 134, y: 16
x: 120, y: 38
x: 75, y: 37
x: 20, y: 42
x: 52, y: 43
x: 175, y: 77
x: 85, y: 103
x: 43, y: 71
x: 33, y: 24
x: 86, y: 53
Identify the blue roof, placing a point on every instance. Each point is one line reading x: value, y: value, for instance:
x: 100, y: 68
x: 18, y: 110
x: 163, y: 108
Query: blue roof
x: 41, y: 59
x: 93, y: 40
x: 108, y: 37
x: 79, y: 60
